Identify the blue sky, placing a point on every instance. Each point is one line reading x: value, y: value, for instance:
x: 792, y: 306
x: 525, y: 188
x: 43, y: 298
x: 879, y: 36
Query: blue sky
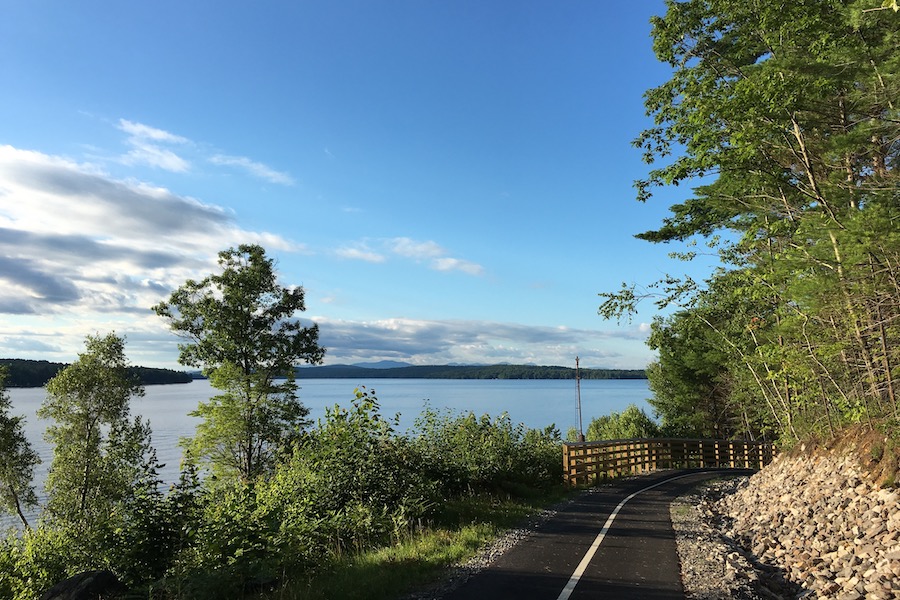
x: 449, y: 181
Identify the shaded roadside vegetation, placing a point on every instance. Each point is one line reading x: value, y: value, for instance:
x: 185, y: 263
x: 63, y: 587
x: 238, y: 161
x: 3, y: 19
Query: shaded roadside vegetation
x: 632, y: 423
x: 344, y: 488
x: 785, y: 118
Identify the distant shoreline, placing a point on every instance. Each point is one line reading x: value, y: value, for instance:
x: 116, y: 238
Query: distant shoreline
x: 25, y: 373
x: 36, y: 373
x: 464, y: 372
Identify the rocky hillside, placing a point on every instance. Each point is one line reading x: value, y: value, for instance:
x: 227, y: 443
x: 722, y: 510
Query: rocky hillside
x: 827, y: 517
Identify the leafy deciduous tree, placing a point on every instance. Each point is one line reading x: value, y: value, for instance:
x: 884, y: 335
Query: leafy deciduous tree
x: 242, y: 332
x: 100, y: 452
x: 17, y: 460
x: 789, y: 110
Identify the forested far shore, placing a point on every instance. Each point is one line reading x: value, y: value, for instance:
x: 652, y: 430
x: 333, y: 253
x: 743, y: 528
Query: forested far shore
x: 465, y: 372
x: 36, y: 373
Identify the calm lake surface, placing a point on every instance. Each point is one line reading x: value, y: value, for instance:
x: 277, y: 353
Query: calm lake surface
x: 535, y: 403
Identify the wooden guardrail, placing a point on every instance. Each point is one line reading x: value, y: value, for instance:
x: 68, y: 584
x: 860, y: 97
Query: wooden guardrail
x: 587, y: 462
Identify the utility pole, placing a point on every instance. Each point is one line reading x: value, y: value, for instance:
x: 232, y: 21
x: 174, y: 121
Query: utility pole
x: 578, y: 392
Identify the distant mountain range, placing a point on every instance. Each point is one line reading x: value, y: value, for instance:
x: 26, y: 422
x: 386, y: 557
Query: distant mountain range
x: 381, y: 364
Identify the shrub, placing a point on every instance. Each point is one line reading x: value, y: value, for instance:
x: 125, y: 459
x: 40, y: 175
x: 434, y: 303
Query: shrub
x: 354, y: 476
x: 34, y: 562
x: 631, y: 423
x: 475, y: 454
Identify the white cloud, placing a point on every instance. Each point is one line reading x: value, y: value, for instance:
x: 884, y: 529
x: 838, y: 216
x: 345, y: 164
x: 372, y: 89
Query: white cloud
x: 410, y: 248
x: 81, y: 251
x: 455, y: 264
x: 485, y: 342
x: 146, y: 149
x: 141, y: 131
x: 364, y: 254
x: 254, y: 168
x: 154, y: 156
x: 154, y: 147
x: 428, y: 252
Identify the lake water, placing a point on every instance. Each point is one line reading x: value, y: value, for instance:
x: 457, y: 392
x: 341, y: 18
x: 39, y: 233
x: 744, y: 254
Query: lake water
x: 535, y: 403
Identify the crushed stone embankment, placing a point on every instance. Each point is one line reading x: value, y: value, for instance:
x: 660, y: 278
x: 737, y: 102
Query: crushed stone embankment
x: 810, y: 525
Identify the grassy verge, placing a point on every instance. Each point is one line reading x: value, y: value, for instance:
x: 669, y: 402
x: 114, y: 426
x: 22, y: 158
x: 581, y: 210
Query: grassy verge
x: 464, y: 526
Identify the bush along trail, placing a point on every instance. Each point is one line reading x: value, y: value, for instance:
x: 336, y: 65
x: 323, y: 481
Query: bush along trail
x: 350, y: 486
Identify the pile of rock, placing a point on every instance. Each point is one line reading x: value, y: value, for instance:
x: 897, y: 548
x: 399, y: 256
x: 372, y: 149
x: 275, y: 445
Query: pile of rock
x: 819, y: 519
x: 713, y: 566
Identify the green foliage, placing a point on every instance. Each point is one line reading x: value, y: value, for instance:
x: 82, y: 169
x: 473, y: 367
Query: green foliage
x: 99, y: 451
x: 351, y: 484
x: 469, y: 453
x: 153, y: 528
x: 354, y: 476
x: 104, y: 508
x: 242, y: 332
x: 392, y: 571
x: 36, y: 373
x: 788, y: 111
x: 631, y: 423
x: 347, y: 487
x: 29, y: 373
x: 241, y: 430
x: 17, y: 460
x: 33, y: 562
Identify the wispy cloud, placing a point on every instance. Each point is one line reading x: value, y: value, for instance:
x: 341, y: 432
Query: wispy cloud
x: 404, y: 246
x: 146, y: 147
x: 77, y: 245
x: 456, y: 264
x: 465, y: 341
x: 423, y: 251
x: 433, y: 254
x: 360, y: 253
x: 256, y: 169
x: 165, y: 150
x: 145, y: 132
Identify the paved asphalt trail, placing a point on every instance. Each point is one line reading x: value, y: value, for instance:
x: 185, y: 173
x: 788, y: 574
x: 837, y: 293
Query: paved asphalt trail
x: 637, y: 557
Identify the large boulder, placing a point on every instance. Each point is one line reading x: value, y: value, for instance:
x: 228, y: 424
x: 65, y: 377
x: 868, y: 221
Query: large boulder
x: 90, y: 585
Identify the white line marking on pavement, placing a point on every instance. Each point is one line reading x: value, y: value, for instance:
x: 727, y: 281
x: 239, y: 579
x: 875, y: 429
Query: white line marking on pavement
x: 589, y: 555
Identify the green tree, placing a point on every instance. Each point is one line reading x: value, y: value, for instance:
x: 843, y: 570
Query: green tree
x: 241, y: 330
x: 701, y: 354
x: 17, y: 459
x: 687, y: 378
x: 787, y: 110
x: 99, y: 452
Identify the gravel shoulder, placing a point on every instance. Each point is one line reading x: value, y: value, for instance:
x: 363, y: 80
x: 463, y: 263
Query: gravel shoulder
x: 713, y: 565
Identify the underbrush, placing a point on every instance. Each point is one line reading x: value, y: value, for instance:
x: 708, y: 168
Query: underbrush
x: 351, y: 501
x: 423, y: 557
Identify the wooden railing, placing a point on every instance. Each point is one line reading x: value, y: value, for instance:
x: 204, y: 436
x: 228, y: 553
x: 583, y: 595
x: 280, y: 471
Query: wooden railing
x: 588, y: 462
